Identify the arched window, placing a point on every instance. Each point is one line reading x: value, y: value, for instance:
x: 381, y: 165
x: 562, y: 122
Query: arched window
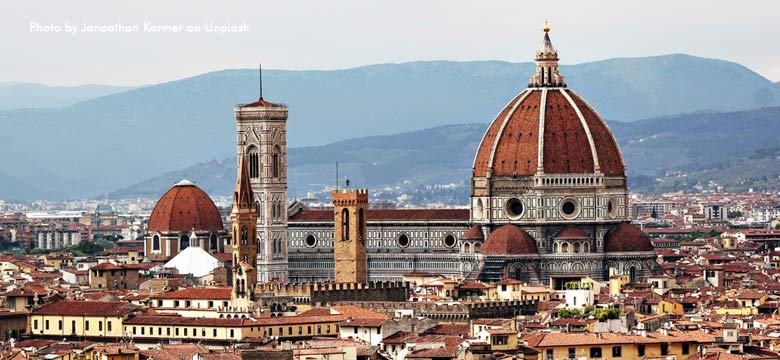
x: 576, y: 248
x: 344, y: 225
x: 254, y: 162
x: 244, y: 236
x: 214, y: 243
x: 275, y: 162
x: 565, y: 248
x: 184, y: 242
x: 156, y: 242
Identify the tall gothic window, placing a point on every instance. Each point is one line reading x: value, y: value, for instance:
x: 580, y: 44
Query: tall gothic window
x: 345, y: 225
x: 275, y: 162
x: 156, y: 242
x: 254, y: 163
x: 244, y: 235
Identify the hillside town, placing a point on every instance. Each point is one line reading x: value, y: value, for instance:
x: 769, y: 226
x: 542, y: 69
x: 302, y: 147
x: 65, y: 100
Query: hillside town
x: 550, y: 258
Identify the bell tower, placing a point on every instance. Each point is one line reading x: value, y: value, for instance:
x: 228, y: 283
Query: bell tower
x: 349, y: 235
x: 262, y: 137
x: 243, y: 220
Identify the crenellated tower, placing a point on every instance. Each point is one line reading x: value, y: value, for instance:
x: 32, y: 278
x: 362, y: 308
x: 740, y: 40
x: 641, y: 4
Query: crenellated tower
x: 349, y: 235
x: 262, y: 131
x: 243, y: 219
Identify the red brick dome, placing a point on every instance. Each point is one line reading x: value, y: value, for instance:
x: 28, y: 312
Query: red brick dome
x: 185, y: 207
x: 509, y: 240
x: 474, y: 233
x: 626, y: 238
x: 567, y: 137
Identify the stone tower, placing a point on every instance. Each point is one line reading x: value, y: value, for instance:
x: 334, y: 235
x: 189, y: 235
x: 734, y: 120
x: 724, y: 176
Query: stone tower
x: 349, y: 235
x: 262, y: 128
x: 243, y: 220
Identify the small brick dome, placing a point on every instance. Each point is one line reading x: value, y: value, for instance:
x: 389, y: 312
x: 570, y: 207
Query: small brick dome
x: 509, y: 239
x: 183, y: 208
x: 475, y: 233
x: 626, y: 238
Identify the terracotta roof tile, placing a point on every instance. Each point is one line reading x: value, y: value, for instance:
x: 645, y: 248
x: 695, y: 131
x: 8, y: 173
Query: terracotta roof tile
x: 509, y: 239
x: 87, y: 308
x: 208, y: 293
x: 183, y: 208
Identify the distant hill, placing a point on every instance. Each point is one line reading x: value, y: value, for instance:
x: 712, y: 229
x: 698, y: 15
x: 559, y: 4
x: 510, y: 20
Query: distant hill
x: 113, y: 141
x: 14, y: 95
x: 694, y: 145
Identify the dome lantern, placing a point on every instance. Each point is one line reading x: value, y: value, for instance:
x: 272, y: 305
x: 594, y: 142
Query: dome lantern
x: 547, y: 74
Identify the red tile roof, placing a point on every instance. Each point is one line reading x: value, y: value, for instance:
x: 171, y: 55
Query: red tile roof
x: 571, y: 232
x: 509, y: 240
x: 262, y: 103
x: 183, y: 208
x: 208, y: 293
x: 510, y: 146
x: 87, y: 308
x: 474, y: 233
x: 626, y: 238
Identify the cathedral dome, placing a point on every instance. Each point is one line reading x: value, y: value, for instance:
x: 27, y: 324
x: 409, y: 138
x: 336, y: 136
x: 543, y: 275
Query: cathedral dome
x: 509, y: 239
x: 626, y: 238
x: 547, y: 128
x: 185, y: 207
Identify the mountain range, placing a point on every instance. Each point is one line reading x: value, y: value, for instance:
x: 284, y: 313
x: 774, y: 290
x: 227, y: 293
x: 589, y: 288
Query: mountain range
x: 14, y: 95
x: 109, y: 142
x: 736, y: 149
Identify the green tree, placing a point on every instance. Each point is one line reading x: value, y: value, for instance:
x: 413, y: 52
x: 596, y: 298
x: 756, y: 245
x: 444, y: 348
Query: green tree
x: 735, y: 214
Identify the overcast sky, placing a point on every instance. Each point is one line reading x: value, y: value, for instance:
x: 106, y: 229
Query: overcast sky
x: 339, y: 34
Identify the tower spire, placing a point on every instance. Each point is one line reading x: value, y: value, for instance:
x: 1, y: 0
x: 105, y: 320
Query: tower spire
x: 547, y: 74
x: 243, y: 195
x: 260, y: 77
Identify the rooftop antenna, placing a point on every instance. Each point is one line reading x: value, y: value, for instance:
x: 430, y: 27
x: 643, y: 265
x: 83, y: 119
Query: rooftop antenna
x: 337, y: 176
x: 260, y: 72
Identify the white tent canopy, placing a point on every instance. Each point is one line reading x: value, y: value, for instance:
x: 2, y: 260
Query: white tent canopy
x: 193, y: 260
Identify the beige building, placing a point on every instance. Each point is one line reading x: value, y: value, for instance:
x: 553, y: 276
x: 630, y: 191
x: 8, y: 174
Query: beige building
x: 613, y: 346
x: 87, y: 319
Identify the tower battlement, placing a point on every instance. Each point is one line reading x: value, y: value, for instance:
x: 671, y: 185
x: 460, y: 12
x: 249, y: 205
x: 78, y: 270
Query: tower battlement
x: 343, y: 197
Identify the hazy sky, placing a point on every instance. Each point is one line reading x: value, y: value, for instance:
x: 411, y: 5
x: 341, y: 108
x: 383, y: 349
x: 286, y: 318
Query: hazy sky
x: 289, y: 34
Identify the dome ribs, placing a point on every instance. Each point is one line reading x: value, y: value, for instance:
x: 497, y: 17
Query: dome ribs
x: 625, y: 237
x: 566, y: 146
x: 516, y: 149
x: 610, y: 158
x: 482, y: 158
x: 509, y: 239
x: 183, y: 208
